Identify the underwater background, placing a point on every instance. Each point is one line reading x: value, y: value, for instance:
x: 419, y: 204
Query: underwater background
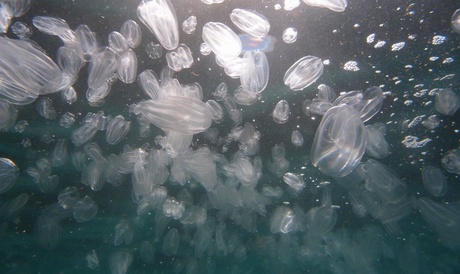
x: 240, y: 237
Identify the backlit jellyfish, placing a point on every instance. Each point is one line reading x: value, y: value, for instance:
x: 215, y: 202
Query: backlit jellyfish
x: 250, y: 43
x: 455, y: 21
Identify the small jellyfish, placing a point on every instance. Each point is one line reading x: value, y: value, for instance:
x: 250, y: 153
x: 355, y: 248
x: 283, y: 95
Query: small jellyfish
x: 153, y: 50
x: 290, y: 35
x: 281, y: 112
x: 189, y: 25
x: 297, y: 138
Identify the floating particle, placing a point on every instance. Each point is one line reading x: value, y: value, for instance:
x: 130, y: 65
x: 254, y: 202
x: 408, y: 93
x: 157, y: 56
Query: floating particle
x: 380, y: 44
x: 370, y: 38
x: 413, y: 142
x: 351, y: 66
x: 438, y: 40
x: 398, y: 46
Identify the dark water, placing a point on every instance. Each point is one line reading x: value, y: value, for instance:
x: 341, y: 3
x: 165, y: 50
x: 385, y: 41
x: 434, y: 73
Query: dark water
x: 338, y: 37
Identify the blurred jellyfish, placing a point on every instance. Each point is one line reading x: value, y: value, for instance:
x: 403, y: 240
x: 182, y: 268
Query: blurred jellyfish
x: 250, y: 43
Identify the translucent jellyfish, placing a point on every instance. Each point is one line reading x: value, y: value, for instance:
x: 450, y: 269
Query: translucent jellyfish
x: 384, y: 183
x: 92, y: 175
x: 303, y: 73
x: 290, y: 35
x: 38, y: 74
x: 367, y: 103
x: 153, y: 50
x: 21, y: 30
x: 68, y: 197
x: 222, y: 40
x: 376, y: 145
x: 9, y: 172
x: 279, y: 165
x: 8, y: 115
x: 97, y: 95
x: 451, y: 161
x: 132, y: 33
x: 18, y: 7
x: 171, y: 242
x: 334, y: 5
x: 87, y: 40
x: 455, y: 21
x: 234, y: 67
x: 205, y: 49
x: 291, y: 4
x: 372, y: 103
x: 123, y: 233
x: 117, y: 129
x: 193, y: 90
x: 447, y: 102
x: 216, y: 111
x: 160, y: 18
x: 92, y: 260
x: 321, y: 219
x: 54, y: 26
x: 173, y: 208
x: 45, y: 108
x: 245, y: 97
x: 431, y: 122
x: 176, y: 113
x: 117, y: 42
x: 281, y: 112
x: 189, y: 24
x: 103, y: 65
x: 221, y: 92
x: 444, y: 218
x: 127, y: 66
x: 10, y: 208
x: 180, y: 58
x: 69, y: 95
x: 148, y: 80
x: 83, y: 134
x: 250, y: 22
x: 60, y: 154
x: 85, y: 209
x: 326, y: 93
x: 296, y: 138
x: 120, y: 261
x: 6, y: 14
x: 339, y: 142
x: 294, y: 181
x: 434, y: 181
x: 69, y: 60
x: 319, y: 107
x: 254, y: 72
x: 202, y: 238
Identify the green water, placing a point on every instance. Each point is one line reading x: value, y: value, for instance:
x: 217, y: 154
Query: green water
x: 338, y: 37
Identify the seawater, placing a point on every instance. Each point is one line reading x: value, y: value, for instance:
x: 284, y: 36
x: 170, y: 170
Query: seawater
x: 337, y: 37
